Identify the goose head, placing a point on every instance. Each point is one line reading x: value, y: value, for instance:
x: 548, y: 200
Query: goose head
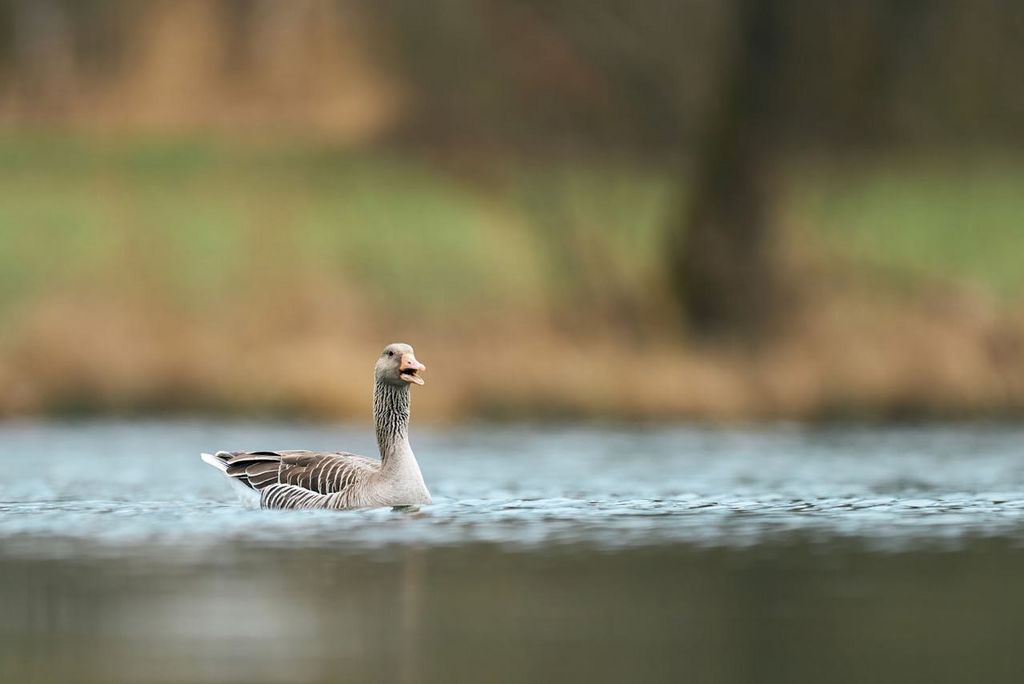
x: 397, y: 365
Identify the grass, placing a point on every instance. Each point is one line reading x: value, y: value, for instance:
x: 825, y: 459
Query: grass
x: 194, y: 221
x: 198, y: 217
x: 195, y: 273
x: 961, y: 222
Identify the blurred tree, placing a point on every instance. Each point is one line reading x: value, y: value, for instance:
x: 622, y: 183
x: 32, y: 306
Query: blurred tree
x: 42, y: 44
x: 722, y: 258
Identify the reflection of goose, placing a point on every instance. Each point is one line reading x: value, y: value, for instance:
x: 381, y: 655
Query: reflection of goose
x: 311, y: 479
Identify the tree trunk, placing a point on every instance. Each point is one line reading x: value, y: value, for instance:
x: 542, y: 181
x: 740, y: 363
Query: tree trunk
x: 724, y: 271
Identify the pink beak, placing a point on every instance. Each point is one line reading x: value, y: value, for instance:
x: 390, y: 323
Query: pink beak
x: 410, y: 368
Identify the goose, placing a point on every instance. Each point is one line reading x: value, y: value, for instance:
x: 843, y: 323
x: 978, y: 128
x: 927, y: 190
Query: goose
x: 340, y: 480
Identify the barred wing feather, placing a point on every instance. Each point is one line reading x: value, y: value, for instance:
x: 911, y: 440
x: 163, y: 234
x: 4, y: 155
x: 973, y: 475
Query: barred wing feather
x: 296, y: 479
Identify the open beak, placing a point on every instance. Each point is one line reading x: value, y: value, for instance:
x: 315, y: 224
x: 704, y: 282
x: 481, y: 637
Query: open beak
x: 410, y: 368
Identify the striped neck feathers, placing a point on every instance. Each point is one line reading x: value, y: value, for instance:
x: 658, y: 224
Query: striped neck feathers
x: 391, y: 417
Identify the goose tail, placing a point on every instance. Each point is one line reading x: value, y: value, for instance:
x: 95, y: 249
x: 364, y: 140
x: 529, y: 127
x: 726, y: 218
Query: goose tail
x: 217, y: 461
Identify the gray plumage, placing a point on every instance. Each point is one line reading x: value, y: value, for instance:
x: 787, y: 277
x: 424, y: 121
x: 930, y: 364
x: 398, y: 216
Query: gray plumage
x: 339, y: 480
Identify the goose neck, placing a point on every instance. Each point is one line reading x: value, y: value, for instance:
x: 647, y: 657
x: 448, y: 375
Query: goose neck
x: 391, y: 419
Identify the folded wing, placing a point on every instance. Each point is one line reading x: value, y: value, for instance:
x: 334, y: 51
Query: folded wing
x: 290, y: 479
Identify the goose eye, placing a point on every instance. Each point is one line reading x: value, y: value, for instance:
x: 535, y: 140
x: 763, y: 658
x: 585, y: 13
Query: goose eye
x: 391, y: 353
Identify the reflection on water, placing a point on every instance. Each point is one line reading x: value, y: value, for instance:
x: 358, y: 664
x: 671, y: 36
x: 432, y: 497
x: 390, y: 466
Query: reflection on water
x: 607, y: 555
x: 778, y: 613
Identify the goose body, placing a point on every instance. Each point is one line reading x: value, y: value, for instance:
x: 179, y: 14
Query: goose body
x: 340, y: 480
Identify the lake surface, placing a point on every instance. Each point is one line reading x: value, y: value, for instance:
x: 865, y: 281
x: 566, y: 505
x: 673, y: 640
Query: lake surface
x: 570, y: 553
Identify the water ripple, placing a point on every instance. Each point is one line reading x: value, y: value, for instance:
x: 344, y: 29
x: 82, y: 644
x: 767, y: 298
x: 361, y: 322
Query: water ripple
x: 99, y: 487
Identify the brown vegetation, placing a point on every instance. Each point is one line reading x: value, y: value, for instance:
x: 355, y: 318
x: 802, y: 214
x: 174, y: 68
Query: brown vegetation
x: 850, y: 352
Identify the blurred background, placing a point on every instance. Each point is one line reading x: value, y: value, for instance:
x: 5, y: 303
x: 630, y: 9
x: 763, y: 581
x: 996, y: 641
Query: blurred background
x: 704, y: 287
x: 582, y: 208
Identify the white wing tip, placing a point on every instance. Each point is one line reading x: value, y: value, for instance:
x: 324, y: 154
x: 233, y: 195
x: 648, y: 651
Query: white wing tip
x: 214, y: 461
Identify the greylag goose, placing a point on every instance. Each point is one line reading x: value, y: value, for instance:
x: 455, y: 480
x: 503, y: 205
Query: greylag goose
x: 313, y: 479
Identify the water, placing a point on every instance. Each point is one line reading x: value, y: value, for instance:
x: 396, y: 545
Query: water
x: 605, y: 554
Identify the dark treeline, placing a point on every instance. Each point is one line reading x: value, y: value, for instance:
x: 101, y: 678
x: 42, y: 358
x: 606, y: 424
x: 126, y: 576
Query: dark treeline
x: 542, y: 75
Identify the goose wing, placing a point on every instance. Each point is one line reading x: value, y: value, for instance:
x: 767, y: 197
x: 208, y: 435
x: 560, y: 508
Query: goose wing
x: 310, y: 472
